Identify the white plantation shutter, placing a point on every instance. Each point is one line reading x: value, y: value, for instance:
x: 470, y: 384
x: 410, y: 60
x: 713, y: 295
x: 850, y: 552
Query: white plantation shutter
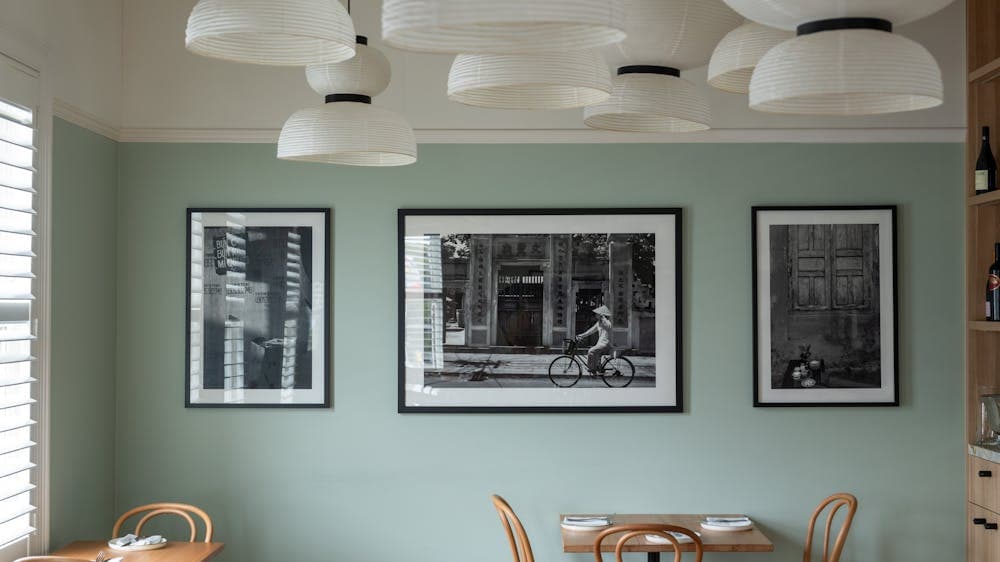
x: 17, y: 334
x: 424, y: 302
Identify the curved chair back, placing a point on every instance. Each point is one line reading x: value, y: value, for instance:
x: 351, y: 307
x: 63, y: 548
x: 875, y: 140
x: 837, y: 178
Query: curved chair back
x: 834, y: 502
x: 520, y: 546
x: 155, y: 509
x: 638, y: 530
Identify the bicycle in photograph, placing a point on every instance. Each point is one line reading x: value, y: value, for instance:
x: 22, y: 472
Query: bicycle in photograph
x: 567, y: 369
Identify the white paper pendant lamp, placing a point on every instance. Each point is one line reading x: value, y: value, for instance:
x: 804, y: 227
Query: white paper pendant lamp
x: 789, y: 14
x: 735, y: 57
x: 677, y: 33
x: 845, y: 60
x: 501, y: 26
x: 349, y: 133
x: 846, y: 66
x: 271, y: 32
x: 543, y: 81
x: 367, y: 73
x: 650, y: 99
x: 348, y: 129
x: 664, y: 37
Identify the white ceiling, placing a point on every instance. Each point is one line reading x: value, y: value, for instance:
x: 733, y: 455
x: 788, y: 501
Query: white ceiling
x: 80, y: 44
x: 167, y: 87
x: 123, y: 62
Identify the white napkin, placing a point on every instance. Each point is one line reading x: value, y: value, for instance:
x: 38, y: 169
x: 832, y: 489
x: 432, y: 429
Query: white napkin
x: 591, y: 520
x: 735, y: 521
x: 681, y: 538
x: 132, y: 540
x: 727, y: 523
x: 585, y: 522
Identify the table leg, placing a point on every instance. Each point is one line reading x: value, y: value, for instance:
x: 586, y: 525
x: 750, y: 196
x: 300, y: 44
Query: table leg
x: 652, y: 557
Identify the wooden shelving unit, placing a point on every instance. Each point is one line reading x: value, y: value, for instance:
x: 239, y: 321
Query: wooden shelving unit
x: 982, y: 211
x: 983, y: 326
x: 984, y: 199
x: 982, y: 231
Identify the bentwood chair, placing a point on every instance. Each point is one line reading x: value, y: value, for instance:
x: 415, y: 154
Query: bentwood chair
x: 520, y: 546
x: 640, y: 530
x: 155, y: 509
x: 834, y: 502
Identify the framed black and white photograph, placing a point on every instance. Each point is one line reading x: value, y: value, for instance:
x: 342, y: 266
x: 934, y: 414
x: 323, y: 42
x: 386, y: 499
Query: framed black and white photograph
x: 825, y: 319
x: 258, y: 289
x: 540, y: 310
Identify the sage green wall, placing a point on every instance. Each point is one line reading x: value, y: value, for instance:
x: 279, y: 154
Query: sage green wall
x: 361, y: 482
x: 84, y: 196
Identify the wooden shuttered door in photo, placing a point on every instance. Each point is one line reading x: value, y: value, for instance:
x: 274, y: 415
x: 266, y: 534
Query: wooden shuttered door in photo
x: 17, y: 287
x: 833, y: 266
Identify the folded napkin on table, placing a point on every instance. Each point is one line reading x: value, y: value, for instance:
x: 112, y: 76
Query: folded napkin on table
x: 681, y: 538
x: 724, y: 523
x: 132, y: 540
x: 587, y: 520
x: 742, y: 520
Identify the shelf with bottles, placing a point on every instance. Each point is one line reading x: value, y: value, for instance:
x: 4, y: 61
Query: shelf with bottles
x: 983, y: 223
x: 984, y: 171
x: 984, y: 112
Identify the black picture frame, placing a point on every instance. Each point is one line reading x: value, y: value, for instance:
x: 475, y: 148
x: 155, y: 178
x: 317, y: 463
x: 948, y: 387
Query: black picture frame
x: 317, y: 220
x: 888, y: 391
x: 672, y: 379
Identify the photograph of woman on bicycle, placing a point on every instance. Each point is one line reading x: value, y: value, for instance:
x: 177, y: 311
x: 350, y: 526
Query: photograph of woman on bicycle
x: 548, y: 309
x: 603, y: 330
x: 545, y: 310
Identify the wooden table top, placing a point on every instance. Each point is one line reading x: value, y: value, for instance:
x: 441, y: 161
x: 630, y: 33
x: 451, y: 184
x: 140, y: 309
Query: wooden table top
x: 173, y: 552
x: 713, y: 541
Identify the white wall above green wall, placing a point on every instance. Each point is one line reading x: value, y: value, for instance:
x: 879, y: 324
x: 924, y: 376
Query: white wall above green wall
x: 361, y: 482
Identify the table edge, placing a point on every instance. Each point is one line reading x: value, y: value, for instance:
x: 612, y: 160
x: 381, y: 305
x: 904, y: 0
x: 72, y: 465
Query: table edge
x: 687, y: 547
x: 218, y: 546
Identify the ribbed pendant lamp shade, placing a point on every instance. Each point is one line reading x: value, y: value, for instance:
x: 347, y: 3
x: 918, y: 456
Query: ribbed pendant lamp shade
x: 543, y: 81
x: 356, y: 134
x: 845, y: 58
x: 366, y: 74
x: 348, y: 129
x: 788, y: 14
x: 676, y: 33
x: 846, y: 72
x: 650, y: 103
x: 271, y: 32
x: 664, y: 37
x: 501, y: 26
x: 739, y: 52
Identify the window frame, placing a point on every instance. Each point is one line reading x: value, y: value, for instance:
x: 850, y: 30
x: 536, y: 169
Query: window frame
x: 33, y: 57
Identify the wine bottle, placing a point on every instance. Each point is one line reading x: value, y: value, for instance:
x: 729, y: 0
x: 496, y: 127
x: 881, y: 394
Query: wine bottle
x: 986, y: 166
x: 993, y: 287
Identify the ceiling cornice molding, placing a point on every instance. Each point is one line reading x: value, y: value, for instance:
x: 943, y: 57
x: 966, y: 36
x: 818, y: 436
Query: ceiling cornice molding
x: 579, y: 136
x: 81, y: 118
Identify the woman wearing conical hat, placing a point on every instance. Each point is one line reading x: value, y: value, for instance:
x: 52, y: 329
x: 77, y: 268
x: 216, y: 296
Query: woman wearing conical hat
x: 603, y: 330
